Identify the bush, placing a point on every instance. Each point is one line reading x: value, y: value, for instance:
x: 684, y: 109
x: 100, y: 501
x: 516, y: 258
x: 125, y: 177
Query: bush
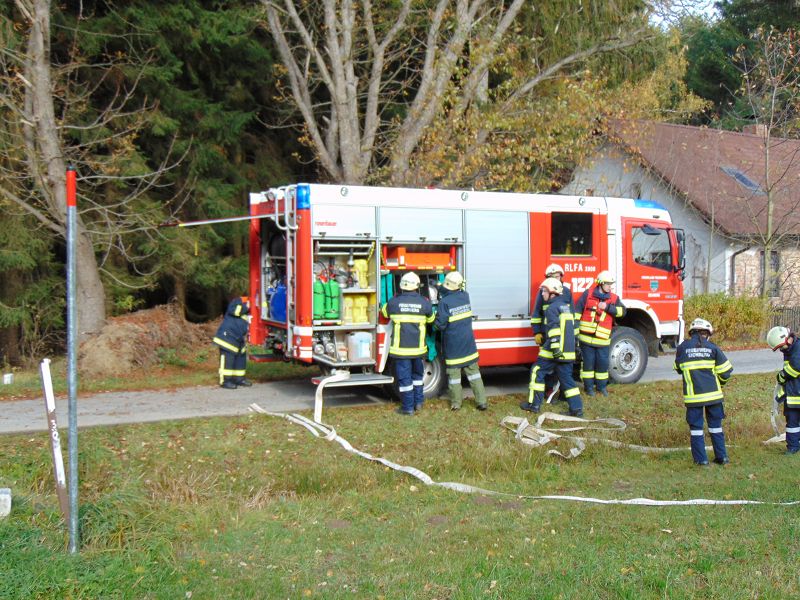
x: 735, y: 319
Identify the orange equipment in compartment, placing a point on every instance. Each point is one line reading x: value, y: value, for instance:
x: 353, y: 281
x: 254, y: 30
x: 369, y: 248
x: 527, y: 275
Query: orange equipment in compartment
x: 398, y: 258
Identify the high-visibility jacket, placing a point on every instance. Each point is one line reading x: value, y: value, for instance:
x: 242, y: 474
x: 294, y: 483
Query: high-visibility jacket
x: 595, y: 324
x: 559, y: 331
x: 232, y: 332
x: 539, y: 306
x: 705, y: 370
x: 791, y: 374
x: 454, y: 320
x: 409, y: 313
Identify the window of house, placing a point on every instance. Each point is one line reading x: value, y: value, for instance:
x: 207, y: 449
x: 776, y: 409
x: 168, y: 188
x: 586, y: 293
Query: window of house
x: 771, y: 273
x: 743, y: 180
x: 651, y: 248
x: 571, y: 234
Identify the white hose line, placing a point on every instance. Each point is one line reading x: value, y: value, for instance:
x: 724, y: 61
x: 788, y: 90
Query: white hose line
x: 773, y: 414
x: 329, y: 433
x: 536, y: 435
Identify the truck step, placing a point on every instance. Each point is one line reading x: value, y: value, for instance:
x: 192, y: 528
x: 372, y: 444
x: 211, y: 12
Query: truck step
x: 357, y: 379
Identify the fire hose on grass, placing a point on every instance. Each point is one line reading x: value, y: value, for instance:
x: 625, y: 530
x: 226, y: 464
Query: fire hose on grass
x: 328, y: 433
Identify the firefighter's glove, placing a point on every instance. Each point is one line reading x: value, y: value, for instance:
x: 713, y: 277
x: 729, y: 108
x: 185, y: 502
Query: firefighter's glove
x: 781, y: 377
x: 539, y: 338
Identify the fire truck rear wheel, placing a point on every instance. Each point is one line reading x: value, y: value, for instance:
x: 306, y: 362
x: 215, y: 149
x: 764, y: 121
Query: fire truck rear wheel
x: 434, y: 382
x: 627, y: 356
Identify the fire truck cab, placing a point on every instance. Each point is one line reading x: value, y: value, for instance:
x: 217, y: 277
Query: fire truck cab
x: 324, y: 258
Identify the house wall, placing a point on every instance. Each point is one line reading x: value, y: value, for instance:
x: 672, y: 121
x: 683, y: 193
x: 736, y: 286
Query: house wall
x: 613, y: 172
x: 748, y: 273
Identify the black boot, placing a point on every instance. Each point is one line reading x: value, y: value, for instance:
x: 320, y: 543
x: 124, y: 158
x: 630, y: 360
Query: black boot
x: 228, y: 385
x: 244, y: 383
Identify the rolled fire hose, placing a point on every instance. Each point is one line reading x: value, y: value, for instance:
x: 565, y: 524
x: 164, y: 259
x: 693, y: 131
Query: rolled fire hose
x: 329, y: 433
x: 773, y: 414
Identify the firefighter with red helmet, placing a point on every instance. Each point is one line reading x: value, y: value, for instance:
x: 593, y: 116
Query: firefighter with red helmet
x: 231, y: 337
x: 597, y: 307
x: 557, y: 353
x: 454, y: 320
x: 409, y: 313
x: 783, y: 339
x: 705, y: 370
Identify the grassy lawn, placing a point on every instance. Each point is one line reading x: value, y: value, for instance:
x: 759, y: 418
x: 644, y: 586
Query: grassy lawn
x: 255, y: 507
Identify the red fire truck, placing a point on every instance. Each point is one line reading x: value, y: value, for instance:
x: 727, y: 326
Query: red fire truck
x: 324, y: 258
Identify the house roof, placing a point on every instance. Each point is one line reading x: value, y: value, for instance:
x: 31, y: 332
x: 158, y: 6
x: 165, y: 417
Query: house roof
x: 720, y: 173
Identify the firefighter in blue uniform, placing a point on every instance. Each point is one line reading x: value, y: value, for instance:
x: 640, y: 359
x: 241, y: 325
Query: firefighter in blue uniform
x: 454, y: 320
x: 705, y: 370
x: 409, y: 313
x: 781, y: 338
x: 557, y: 352
x: 231, y: 337
x: 597, y: 309
x: 537, y: 316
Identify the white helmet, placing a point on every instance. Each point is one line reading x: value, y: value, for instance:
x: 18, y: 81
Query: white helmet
x: 552, y: 285
x: 453, y: 281
x: 554, y: 270
x: 701, y: 325
x: 778, y: 337
x: 605, y: 277
x: 409, y: 281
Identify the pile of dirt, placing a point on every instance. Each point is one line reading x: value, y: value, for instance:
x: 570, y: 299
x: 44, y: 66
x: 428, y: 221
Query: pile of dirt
x: 134, y: 341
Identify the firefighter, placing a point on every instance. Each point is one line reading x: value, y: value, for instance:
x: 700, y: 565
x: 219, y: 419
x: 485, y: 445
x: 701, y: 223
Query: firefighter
x: 705, y: 370
x: 781, y: 338
x: 409, y: 313
x: 537, y: 317
x: 597, y: 307
x: 231, y: 337
x: 557, y: 352
x: 454, y: 320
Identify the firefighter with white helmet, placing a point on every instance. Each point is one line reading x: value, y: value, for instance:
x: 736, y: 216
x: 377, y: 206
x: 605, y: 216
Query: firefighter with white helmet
x: 554, y: 271
x: 705, y: 370
x: 409, y: 313
x: 783, y: 339
x: 557, y: 353
x: 454, y: 320
x: 598, y: 307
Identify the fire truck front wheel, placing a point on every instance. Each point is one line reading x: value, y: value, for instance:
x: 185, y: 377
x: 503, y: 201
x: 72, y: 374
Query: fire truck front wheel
x: 627, y: 356
x: 434, y: 382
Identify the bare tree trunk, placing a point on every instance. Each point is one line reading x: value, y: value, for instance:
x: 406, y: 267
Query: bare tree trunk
x: 10, y: 336
x: 46, y: 159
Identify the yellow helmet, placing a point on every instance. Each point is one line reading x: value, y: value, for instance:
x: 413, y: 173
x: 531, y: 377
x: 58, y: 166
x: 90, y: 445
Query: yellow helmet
x: 605, y: 277
x: 778, y: 337
x: 552, y: 285
x: 409, y: 281
x: 453, y: 281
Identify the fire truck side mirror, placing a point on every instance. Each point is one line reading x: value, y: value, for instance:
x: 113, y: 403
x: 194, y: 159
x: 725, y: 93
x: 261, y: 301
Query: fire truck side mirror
x: 680, y: 268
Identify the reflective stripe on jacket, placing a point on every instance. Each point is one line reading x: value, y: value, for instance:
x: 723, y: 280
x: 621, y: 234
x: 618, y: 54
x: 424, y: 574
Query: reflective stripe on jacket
x: 705, y: 370
x: 791, y: 369
x: 539, y: 306
x: 559, y: 331
x: 409, y: 313
x: 232, y: 332
x: 595, y: 325
x: 454, y: 320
